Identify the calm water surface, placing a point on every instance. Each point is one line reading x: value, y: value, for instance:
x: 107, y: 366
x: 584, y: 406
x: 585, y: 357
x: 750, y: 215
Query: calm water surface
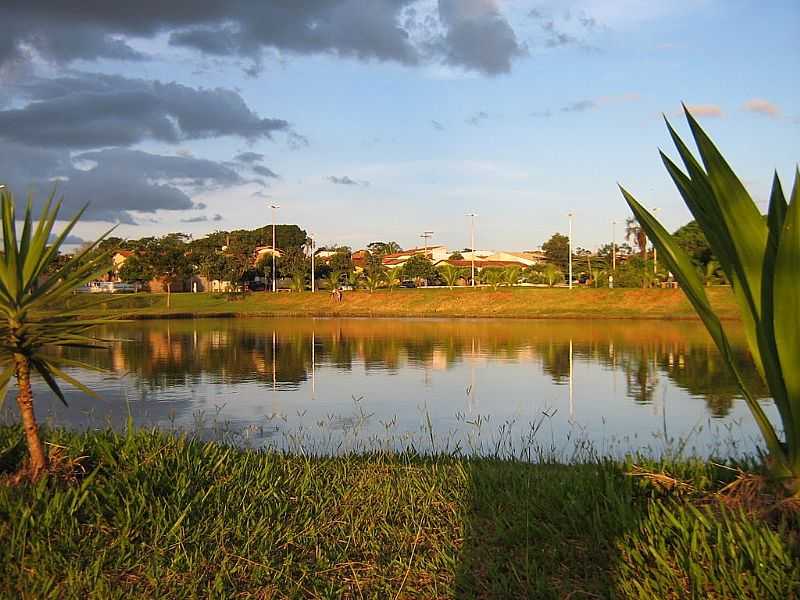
x: 474, y: 385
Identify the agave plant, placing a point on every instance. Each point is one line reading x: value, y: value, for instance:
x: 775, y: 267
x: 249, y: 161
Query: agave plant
x: 29, y: 329
x: 761, y: 259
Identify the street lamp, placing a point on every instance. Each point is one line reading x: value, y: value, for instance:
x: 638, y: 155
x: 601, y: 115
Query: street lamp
x: 655, y: 250
x: 614, y: 246
x: 274, y: 207
x: 570, y: 215
x: 311, y: 242
x: 472, y: 244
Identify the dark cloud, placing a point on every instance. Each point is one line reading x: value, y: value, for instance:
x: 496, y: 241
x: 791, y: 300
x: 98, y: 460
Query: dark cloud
x: 554, y: 36
x: 346, y: 181
x: 437, y: 125
x: 477, y: 118
x: 264, y: 171
x: 476, y: 35
x: 580, y: 106
x: 116, y: 182
x: 92, y: 110
x: 217, y: 217
x: 198, y: 219
x: 249, y: 157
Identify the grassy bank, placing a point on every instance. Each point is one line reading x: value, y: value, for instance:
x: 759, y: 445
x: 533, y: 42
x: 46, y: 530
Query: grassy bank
x: 147, y: 515
x: 459, y: 302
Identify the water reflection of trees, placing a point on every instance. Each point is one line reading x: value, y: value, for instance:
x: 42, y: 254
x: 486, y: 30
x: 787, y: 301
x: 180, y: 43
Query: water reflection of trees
x: 163, y: 354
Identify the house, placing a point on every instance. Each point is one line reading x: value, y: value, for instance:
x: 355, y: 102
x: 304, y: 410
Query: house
x: 261, y: 251
x: 433, y: 253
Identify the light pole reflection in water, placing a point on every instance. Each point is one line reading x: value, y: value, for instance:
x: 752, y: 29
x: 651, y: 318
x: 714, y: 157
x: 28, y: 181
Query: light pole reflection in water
x: 571, y: 399
x: 274, y: 378
x: 313, y: 364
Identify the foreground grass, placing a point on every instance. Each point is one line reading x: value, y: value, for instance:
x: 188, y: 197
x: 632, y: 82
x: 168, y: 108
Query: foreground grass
x: 425, y: 302
x: 149, y: 515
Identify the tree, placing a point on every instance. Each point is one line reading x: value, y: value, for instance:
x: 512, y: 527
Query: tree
x: 693, y: 241
x: 373, y: 280
x: 635, y: 233
x: 556, y: 250
x: 450, y: 274
x: 418, y: 268
x: 292, y: 262
x: 511, y: 275
x: 29, y: 325
x: 381, y: 249
x: 456, y: 256
x: 492, y: 276
x: 135, y: 270
x: 333, y: 279
x: 392, y: 278
x: 552, y: 274
x: 168, y: 260
x: 342, y: 261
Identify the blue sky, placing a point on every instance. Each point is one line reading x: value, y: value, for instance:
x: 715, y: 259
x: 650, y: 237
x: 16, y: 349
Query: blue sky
x: 540, y: 112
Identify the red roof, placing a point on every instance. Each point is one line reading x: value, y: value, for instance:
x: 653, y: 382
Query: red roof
x: 480, y: 264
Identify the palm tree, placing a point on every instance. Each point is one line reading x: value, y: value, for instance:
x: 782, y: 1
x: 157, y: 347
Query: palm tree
x: 298, y: 282
x: 391, y: 278
x: 551, y: 274
x: 373, y: 280
x: 29, y: 327
x: 451, y: 274
x: 354, y: 279
x: 493, y: 277
x: 511, y: 275
x: 635, y: 233
x: 333, y: 279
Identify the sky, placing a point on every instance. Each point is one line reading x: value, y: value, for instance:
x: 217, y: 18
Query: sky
x: 370, y: 120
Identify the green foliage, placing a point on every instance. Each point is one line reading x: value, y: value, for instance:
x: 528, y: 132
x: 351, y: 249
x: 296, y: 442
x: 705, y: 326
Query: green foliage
x: 134, y: 269
x: 456, y: 256
x: 418, y: 268
x: 511, y: 275
x: 381, y: 249
x: 293, y: 262
x: 693, y: 241
x: 333, y: 279
x: 373, y: 280
x: 342, y: 261
x: 556, y: 250
x: 391, y: 277
x: 450, y: 274
x: 552, y: 274
x: 761, y: 259
x: 492, y: 276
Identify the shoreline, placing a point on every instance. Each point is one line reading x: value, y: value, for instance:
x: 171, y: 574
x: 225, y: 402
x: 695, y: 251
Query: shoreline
x: 423, y: 303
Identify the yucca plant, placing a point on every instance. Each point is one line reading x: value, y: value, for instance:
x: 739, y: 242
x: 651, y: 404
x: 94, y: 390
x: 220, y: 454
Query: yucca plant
x: 29, y: 329
x: 761, y: 259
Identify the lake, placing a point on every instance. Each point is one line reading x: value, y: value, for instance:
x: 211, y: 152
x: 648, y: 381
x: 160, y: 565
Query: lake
x: 565, y: 388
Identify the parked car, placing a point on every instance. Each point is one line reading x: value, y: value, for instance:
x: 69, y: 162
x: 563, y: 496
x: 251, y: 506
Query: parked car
x: 408, y: 284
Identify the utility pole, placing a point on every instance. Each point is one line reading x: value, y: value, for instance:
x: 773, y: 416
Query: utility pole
x: 472, y: 245
x: 614, y: 246
x: 426, y: 235
x: 570, y: 249
x: 311, y: 240
x: 274, y: 207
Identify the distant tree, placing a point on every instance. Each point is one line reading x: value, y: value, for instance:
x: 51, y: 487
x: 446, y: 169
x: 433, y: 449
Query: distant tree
x: 456, y: 256
x: 511, y: 275
x: 552, y: 274
x: 136, y: 270
x: 373, y: 280
x: 381, y: 249
x: 635, y: 233
x: 418, y: 268
x: 354, y: 279
x: 372, y: 263
x: 292, y: 262
x: 167, y: 258
x: 391, y: 278
x: 556, y: 250
x: 492, y: 276
x: 342, y: 261
x: 450, y: 274
x: 334, y: 279
x: 692, y: 239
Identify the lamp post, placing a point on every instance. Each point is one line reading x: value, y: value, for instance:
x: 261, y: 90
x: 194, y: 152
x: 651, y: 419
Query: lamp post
x: 311, y: 241
x: 274, y: 207
x: 655, y: 250
x: 570, y: 249
x: 613, y: 246
x: 472, y: 246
